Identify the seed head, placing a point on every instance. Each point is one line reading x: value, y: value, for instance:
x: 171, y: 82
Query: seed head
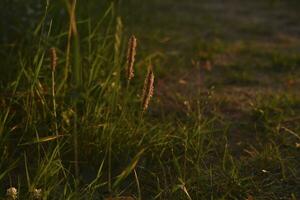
x: 53, y: 58
x: 12, y: 193
x: 148, y: 89
x: 37, y: 194
x: 131, y: 52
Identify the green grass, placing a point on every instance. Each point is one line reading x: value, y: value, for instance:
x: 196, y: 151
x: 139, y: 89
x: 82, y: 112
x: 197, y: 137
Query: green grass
x: 229, y: 132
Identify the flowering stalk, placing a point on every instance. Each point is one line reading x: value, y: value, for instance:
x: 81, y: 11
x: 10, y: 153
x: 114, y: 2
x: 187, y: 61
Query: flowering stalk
x: 131, y: 52
x: 148, y: 89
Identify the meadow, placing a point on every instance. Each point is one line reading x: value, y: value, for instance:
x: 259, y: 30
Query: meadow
x: 134, y: 99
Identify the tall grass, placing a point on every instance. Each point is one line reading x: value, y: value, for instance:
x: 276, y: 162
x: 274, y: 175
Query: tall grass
x: 74, y: 105
x: 72, y: 126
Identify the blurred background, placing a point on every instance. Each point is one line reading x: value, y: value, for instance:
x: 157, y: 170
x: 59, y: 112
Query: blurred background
x: 241, y: 49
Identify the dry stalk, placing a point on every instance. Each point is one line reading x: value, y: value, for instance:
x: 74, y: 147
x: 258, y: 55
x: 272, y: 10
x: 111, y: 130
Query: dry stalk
x: 53, y: 68
x: 54, y: 59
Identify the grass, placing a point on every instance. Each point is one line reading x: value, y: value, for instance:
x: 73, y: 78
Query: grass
x: 228, y: 131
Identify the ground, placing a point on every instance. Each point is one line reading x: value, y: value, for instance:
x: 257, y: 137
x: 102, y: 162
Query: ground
x: 243, y: 53
x: 242, y: 57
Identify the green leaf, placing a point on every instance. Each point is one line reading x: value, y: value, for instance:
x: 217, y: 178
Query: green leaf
x: 42, y: 140
x: 129, y: 168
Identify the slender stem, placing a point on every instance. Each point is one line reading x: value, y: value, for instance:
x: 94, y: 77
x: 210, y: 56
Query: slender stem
x: 54, y: 103
x: 66, y: 69
x: 75, y: 142
x: 54, y: 111
x: 109, y: 163
x: 138, y: 185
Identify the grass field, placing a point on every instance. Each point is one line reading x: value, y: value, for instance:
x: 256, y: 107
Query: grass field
x: 223, y: 123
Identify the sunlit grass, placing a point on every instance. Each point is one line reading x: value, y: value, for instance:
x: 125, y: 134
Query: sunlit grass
x: 76, y: 124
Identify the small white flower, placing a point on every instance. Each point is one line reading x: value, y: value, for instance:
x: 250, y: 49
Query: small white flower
x: 37, y: 193
x: 12, y: 193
